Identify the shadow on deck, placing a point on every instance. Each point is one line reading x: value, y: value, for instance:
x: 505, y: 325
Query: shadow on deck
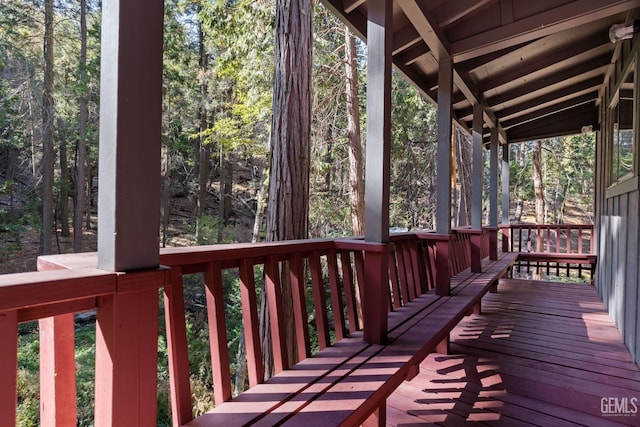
x: 541, y: 353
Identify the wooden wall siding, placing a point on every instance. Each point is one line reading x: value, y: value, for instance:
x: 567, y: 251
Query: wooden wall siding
x: 618, y: 225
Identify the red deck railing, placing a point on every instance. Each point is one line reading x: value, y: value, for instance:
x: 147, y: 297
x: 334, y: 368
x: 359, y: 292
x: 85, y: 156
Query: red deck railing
x: 554, y: 249
x: 347, y: 291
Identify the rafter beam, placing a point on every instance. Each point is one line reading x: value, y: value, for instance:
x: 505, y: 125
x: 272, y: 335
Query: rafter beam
x: 593, y: 47
x: 551, y: 21
x: 424, y: 22
x: 563, y: 123
x: 452, y: 12
x: 553, y: 109
x: 555, y: 96
x: 351, y: 5
x: 405, y: 39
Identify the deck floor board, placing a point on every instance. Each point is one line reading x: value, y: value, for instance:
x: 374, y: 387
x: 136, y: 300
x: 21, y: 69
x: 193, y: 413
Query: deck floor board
x: 541, y: 353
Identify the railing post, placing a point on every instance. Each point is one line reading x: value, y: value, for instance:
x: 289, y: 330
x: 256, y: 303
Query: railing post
x: 493, y: 243
x: 443, y: 254
x: 8, y: 367
x: 127, y: 351
x: 376, y: 292
x: 57, y: 371
x: 57, y: 368
x: 476, y: 250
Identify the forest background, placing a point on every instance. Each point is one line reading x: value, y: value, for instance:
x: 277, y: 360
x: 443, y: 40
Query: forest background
x: 217, y: 108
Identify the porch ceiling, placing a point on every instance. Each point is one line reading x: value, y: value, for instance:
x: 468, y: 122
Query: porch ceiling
x: 537, y: 67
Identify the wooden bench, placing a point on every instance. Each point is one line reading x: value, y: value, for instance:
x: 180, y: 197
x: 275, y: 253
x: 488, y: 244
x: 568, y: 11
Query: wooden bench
x: 349, y: 382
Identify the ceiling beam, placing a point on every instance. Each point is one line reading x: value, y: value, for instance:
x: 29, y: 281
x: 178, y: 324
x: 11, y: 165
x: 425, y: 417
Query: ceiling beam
x: 405, y: 38
x: 552, y: 109
x: 551, y: 21
x: 584, y: 71
x: 351, y: 5
x: 411, y: 55
x: 451, y: 12
x: 591, y: 47
x: 567, y: 122
x: 424, y: 22
x: 557, y: 96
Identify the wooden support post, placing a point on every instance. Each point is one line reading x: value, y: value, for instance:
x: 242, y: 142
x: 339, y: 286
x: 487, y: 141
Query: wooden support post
x: 378, y: 148
x: 57, y: 371
x: 8, y: 367
x: 477, y: 168
x: 376, y: 294
x: 130, y: 135
x: 493, y: 196
x: 127, y: 351
x: 181, y: 407
x: 443, y: 184
x: 505, y: 186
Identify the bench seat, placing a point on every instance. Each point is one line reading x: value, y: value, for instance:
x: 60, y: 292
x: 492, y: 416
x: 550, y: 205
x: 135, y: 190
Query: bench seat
x: 349, y: 382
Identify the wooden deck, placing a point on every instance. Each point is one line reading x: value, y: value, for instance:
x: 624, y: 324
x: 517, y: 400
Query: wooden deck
x: 541, y: 353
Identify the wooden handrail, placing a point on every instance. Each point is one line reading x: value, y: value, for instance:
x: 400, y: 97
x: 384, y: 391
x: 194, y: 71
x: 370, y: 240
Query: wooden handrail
x: 340, y: 280
x: 550, y: 238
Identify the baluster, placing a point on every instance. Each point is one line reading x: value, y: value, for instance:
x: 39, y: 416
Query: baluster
x: 418, y: 276
x: 181, y: 407
x: 395, y: 283
x: 297, y: 277
x: 217, y: 333
x: 336, y: 295
x: 349, y: 291
x: 408, y: 265
x: 251, y: 324
x: 319, y: 302
x: 8, y: 367
x: 402, y: 273
x: 276, y: 314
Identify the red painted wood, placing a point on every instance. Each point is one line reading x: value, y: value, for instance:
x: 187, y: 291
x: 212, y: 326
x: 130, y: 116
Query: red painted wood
x: 443, y: 280
x: 319, y: 301
x: 218, y: 334
x: 8, y: 367
x: 276, y: 315
x: 395, y: 283
x: 476, y: 251
x: 349, y: 291
x: 358, y: 259
x: 378, y: 418
x: 411, y: 272
x: 46, y: 287
x: 402, y: 273
x: 126, y: 358
x: 179, y: 375
x: 57, y: 371
x: 376, y: 295
x: 337, y: 305
x: 297, y: 279
x: 255, y: 367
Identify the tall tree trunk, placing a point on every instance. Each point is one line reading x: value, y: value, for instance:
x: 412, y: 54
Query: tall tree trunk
x: 288, y: 202
x: 204, y: 153
x: 65, y: 183
x: 166, y: 194
x: 47, y: 133
x: 81, y: 187
x: 537, y: 181
x: 356, y: 168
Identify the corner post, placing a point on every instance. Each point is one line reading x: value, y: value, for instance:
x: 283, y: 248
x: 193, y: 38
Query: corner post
x: 493, y: 196
x: 477, y: 178
x: 128, y: 210
x: 505, y: 198
x: 443, y: 184
x: 377, y: 174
